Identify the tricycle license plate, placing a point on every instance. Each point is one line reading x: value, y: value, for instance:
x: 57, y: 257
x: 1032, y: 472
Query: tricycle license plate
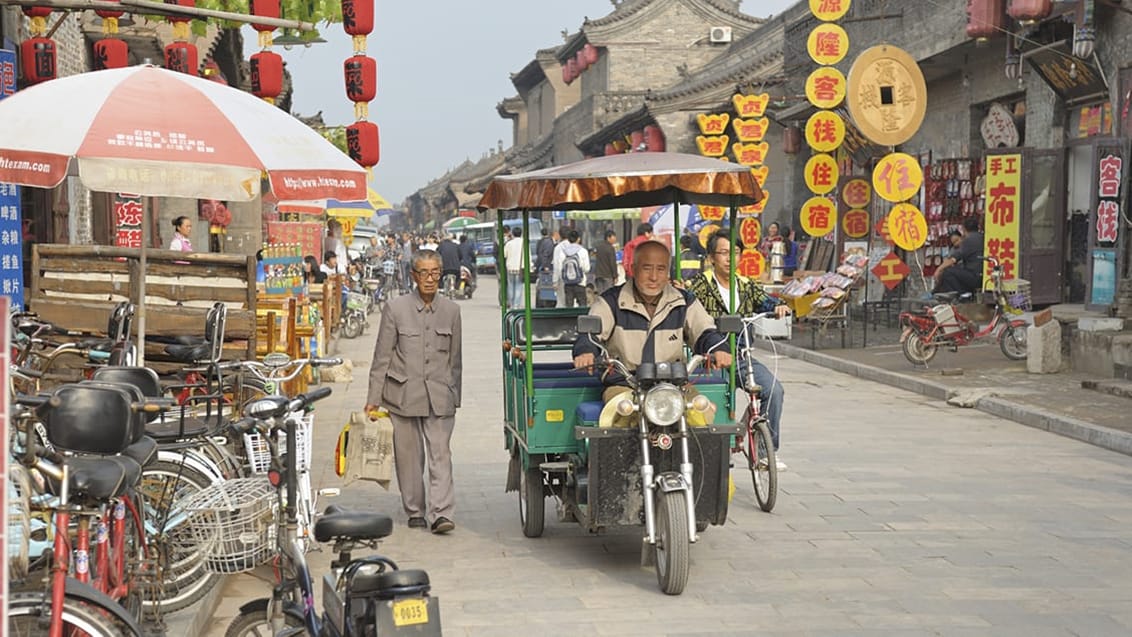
x: 408, y: 612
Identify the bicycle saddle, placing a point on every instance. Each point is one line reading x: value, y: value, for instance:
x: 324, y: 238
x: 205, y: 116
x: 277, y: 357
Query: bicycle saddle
x: 339, y: 524
x: 98, y: 479
x: 187, y: 340
x: 390, y: 583
x: 190, y: 353
x: 945, y: 297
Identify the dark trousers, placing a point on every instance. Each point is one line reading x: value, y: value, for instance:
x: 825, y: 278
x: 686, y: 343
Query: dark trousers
x: 575, y: 296
x: 958, y: 279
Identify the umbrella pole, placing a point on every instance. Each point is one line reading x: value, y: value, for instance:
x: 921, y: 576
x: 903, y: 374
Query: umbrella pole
x: 676, y: 236
x: 140, y: 360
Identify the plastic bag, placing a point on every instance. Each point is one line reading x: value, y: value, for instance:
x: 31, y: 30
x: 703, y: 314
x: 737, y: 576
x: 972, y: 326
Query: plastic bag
x: 365, y: 449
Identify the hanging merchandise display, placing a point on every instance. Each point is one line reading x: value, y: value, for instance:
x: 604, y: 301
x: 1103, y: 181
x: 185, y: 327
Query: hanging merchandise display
x: 953, y: 192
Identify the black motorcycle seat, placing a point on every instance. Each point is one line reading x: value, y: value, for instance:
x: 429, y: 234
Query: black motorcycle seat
x: 352, y: 525
x: 29, y: 328
x: 189, y: 353
x: 389, y: 583
x: 96, y: 344
x: 98, y: 478
x: 168, y: 429
x: 187, y: 340
x: 143, y: 452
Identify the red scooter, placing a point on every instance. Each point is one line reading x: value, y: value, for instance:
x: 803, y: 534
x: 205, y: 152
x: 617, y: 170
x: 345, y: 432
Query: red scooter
x: 943, y: 325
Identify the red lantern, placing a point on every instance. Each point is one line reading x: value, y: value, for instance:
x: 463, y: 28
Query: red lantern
x: 610, y: 150
x: 984, y: 18
x: 636, y: 141
x: 580, y: 61
x: 589, y: 52
x: 570, y: 71
x: 111, y: 53
x: 37, y: 12
x: 791, y: 140
x: 264, y: 9
x: 363, y: 141
x: 654, y: 139
x: 110, y: 23
x: 357, y: 16
x: 1029, y: 10
x: 360, y: 72
x: 37, y: 57
x: 181, y: 57
x: 181, y: 3
x: 267, y: 74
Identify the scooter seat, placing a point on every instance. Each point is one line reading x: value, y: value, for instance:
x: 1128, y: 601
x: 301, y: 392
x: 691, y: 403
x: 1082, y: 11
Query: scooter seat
x: 98, y: 478
x: 190, y: 353
x: 945, y: 297
x: 187, y: 340
x: 169, y: 429
x: 96, y: 344
x: 390, y: 583
x: 339, y: 524
x: 144, y: 451
x: 588, y: 412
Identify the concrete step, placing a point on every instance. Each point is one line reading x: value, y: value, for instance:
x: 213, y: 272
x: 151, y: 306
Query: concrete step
x: 1111, y: 386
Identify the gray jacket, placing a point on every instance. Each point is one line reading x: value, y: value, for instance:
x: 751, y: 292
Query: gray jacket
x: 417, y: 362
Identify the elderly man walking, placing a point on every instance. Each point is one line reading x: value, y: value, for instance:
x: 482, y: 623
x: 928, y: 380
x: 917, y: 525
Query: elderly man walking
x: 416, y: 376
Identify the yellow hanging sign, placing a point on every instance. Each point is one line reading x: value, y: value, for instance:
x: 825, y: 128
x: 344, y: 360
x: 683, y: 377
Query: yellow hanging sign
x: 750, y: 130
x: 750, y: 154
x: 825, y: 131
x: 1003, y: 213
x: 855, y: 224
x: 750, y: 105
x: 760, y: 173
x: 713, y: 124
x: 818, y: 216
x: 756, y: 208
x: 857, y: 193
x: 829, y: 10
x: 712, y: 146
x: 907, y: 226
x: 825, y: 87
x: 897, y: 177
x: 828, y: 43
x: 821, y: 174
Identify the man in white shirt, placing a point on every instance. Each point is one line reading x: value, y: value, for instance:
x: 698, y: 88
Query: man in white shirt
x: 513, y: 261
x: 571, y: 266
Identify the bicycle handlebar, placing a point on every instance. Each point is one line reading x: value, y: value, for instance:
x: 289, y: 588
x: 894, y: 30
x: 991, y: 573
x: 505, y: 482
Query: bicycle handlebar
x: 256, y: 367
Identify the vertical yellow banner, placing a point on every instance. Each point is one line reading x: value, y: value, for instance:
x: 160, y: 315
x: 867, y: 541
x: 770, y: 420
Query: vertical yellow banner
x: 1003, y: 196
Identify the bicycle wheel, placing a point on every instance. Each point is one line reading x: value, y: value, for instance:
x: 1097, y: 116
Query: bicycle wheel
x: 915, y: 350
x: 252, y: 621
x: 183, y: 579
x: 352, y: 326
x: 1012, y: 342
x: 28, y: 616
x: 759, y: 451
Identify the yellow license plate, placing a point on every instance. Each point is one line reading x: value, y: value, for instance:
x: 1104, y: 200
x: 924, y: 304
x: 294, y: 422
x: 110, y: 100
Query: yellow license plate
x: 408, y: 612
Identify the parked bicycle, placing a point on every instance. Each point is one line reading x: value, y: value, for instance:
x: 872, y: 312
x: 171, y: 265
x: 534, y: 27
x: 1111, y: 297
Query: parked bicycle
x: 361, y: 597
x: 943, y: 325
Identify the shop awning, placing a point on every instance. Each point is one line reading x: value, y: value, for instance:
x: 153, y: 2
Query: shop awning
x: 605, y: 215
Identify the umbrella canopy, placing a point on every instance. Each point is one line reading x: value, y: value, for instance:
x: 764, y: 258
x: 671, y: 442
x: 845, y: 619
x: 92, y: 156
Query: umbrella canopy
x: 155, y: 132
x: 625, y: 181
x: 363, y: 209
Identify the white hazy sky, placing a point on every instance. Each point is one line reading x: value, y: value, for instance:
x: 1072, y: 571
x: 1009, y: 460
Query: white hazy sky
x: 442, y: 67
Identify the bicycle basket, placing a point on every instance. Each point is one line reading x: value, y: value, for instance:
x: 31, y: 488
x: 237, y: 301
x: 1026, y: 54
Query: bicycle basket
x: 388, y: 267
x: 1018, y: 298
x: 233, y: 523
x: 259, y: 452
x: 356, y: 301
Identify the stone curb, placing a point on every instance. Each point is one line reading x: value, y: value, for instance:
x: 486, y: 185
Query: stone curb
x: 1045, y: 420
x: 195, y: 619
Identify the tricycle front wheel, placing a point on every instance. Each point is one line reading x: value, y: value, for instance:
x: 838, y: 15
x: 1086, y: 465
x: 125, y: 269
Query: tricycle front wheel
x: 673, y: 542
x: 532, y: 503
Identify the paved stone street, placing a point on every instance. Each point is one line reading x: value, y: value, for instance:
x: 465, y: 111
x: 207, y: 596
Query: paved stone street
x: 899, y: 515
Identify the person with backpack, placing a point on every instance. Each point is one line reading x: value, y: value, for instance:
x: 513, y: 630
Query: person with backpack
x: 571, y: 265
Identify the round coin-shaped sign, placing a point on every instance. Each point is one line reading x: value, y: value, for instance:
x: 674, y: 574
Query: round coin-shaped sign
x: 825, y: 87
x: 907, y: 226
x: 887, y: 95
x: 825, y: 131
x: 855, y: 223
x: 821, y: 174
x: 829, y: 10
x: 818, y: 216
x: 828, y: 43
x: 897, y: 177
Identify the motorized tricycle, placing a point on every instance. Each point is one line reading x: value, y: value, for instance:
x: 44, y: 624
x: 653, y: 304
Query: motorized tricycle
x: 660, y: 471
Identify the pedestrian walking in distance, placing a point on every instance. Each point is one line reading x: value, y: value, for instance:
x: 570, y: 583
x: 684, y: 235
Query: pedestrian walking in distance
x: 416, y: 375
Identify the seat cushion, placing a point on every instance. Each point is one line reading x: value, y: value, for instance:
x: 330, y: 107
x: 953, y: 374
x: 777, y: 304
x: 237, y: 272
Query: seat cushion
x: 588, y: 412
x: 577, y: 382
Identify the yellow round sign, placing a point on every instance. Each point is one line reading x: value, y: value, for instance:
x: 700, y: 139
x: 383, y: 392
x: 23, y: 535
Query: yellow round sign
x: 897, y: 177
x: 706, y: 232
x: 822, y: 174
x: 829, y: 10
x: 887, y: 95
x: 828, y: 44
x: 750, y: 232
x: 825, y: 131
x: 855, y: 223
x: 825, y: 87
x: 751, y: 263
x: 857, y: 193
x: 818, y: 216
x: 907, y: 226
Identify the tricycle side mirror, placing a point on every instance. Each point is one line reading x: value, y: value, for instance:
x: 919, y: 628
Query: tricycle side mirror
x: 729, y: 324
x: 589, y: 324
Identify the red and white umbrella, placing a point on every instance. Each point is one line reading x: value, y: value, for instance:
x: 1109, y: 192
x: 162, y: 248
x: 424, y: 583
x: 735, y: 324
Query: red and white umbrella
x: 160, y: 133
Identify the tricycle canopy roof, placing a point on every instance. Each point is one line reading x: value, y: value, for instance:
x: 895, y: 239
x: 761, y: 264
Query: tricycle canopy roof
x: 625, y: 181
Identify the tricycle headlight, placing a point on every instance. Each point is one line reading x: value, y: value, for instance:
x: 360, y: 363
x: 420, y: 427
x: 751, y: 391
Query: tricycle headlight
x: 664, y: 405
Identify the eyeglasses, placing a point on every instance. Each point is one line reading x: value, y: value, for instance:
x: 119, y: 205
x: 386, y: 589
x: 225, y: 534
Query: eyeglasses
x: 428, y: 274
x: 723, y: 252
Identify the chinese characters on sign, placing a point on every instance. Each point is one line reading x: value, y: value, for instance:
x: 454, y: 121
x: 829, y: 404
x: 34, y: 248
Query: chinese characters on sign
x: 751, y: 263
x: 761, y: 174
x: 750, y: 130
x: 897, y: 177
x: 821, y: 174
x: 713, y: 146
x: 750, y: 105
x: 750, y: 231
x: 829, y: 10
x: 713, y: 124
x: 825, y: 87
x: 1109, y: 173
x: 857, y: 193
x: 825, y: 131
x: 855, y: 223
x: 1002, y: 222
x: 907, y: 226
x: 7, y: 73
x: 128, y: 213
x: 891, y: 270
x: 751, y: 154
x: 818, y: 216
x: 828, y: 44
x: 11, y: 245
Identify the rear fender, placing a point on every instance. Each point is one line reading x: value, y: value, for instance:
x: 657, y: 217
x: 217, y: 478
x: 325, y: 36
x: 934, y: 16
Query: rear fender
x: 75, y: 589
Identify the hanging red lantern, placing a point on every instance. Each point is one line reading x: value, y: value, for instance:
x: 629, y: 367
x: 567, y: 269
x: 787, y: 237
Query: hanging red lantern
x: 654, y: 139
x: 589, y: 52
x: 267, y: 74
x: 363, y: 141
x: 180, y: 18
x: 263, y: 9
x: 37, y: 12
x: 1027, y: 11
x: 181, y: 57
x: 610, y: 150
x: 111, y: 53
x: 360, y: 72
x: 570, y: 71
x: 109, y: 20
x: 38, y: 16
x: 580, y: 61
x: 985, y: 18
x: 636, y: 141
x: 37, y: 57
x: 357, y: 16
x: 791, y: 140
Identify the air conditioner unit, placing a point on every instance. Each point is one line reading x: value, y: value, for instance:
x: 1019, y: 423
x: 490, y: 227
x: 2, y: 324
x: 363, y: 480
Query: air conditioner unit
x: 720, y: 35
